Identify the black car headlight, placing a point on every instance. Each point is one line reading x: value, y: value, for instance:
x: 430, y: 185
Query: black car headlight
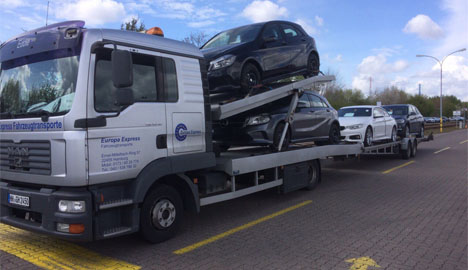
x: 223, y: 61
x: 257, y: 120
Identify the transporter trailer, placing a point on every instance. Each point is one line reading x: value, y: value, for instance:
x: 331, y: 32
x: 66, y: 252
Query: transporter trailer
x: 117, y: 136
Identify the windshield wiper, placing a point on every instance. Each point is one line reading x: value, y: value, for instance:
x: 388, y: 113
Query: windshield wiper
x: 42, y: 113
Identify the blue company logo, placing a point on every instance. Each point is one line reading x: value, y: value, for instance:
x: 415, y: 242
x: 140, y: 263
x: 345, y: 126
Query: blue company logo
x: 178, y: 134
x: 181, y: 132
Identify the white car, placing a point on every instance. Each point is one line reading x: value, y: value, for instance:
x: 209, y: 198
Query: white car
x: 366, y: 124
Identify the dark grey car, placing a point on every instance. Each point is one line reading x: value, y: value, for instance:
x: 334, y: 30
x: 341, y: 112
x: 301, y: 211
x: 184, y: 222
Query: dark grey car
x: 409, y: 119
x: 314, y: 120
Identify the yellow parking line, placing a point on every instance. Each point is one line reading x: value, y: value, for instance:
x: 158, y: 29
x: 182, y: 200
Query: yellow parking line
x: 464, y: 142
x: 446, y: 148
x: 240, y: 228
x: 50, y: 253
x: 398, y: 167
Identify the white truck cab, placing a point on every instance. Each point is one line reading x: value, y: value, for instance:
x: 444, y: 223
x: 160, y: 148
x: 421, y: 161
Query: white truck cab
x: 67, y: 131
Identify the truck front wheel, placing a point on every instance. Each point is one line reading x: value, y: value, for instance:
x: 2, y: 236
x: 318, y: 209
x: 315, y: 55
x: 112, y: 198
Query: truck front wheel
x: 161, y: 214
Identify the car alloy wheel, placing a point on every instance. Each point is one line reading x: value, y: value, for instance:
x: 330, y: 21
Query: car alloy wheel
x: 421, y: 132
x: 393, y: 134
x: 368, y: 137
x: 250, y: 77
x: 313, y: 67
x: 334, y: 134
x: 407, y: 131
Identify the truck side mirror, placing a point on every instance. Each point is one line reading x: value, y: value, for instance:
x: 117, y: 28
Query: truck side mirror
x: 122, y: 68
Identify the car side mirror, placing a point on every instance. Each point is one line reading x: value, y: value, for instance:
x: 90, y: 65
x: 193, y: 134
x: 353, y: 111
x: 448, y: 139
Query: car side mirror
x: 124, y: 97
x: 122, y: 68
x: 270, y: 39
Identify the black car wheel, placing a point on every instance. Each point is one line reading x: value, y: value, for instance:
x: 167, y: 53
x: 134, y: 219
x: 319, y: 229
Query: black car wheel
x: 368, y: 137
x: 313, y: 65
x: 421, y: 132
x: 161, y: 214
x: 334, y: 136
x: 407, y: 131
x: 277, y: 137
x: 393, y: 138
x: 250, y: 77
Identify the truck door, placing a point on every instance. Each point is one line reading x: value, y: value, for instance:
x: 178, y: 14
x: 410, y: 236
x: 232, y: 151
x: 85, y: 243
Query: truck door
x: 185, y: 115
x: 129, y: 141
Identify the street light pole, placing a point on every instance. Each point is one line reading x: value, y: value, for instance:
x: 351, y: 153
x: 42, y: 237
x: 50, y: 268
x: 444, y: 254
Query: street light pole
x: 440, y: 64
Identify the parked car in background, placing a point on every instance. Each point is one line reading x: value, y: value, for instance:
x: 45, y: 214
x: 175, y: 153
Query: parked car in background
x: 409, y: 119
x: 445, y: 119
x: 314, y: 120
x: 366, y: 124
x: 429, y: 120
x: 246, y: 56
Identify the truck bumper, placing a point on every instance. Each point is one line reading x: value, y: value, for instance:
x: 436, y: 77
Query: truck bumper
x: 42, y: 215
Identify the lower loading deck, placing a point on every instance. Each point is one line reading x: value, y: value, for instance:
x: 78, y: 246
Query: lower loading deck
x: 253, y: 169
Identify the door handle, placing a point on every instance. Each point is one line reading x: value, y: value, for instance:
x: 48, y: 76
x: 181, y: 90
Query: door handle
x: 161, y: 141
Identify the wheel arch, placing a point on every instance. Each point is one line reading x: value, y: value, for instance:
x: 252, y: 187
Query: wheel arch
x: 254, y: 62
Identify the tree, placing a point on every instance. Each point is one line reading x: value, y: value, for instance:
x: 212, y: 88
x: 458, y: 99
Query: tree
x: 196, y: 38
x: 132, y: 25
x: 10, y: 97
x: 391, y: 95
x: 423, y: 103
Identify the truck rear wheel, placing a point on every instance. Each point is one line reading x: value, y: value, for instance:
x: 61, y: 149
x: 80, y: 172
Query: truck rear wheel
x: 313, y: 175
x: 161, y: 214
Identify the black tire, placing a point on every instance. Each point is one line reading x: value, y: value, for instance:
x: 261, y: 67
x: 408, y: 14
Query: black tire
x: 277, y: 137
x: 421, y: 132
x: 414, y: 149
x: 313, y: 66
x: 407, y: 132
x: 250, y: 77
x: 406, y: 154
x: 393, y: 137
x: 368, y: 137
x: 165, y: 202
x: 313, y: 175
x: 334, y: 134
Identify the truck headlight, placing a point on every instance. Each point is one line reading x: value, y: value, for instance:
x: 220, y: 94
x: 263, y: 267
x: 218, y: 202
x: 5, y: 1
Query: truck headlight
x: 257, y: 120
x: 400, y: 121
x: 358, y: 126
x: 72, y: 206
x: 223, y: 61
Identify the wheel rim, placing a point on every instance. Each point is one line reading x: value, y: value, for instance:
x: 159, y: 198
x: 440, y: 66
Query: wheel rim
x: 312, y: 174
x: 335, y: 135
x: 163, y: 214
x: 312, y: 67
x: 407, y: 131
x: 422, y: 132
x: 369, y: 137
x: 252, y: 79
x: 394, y: 134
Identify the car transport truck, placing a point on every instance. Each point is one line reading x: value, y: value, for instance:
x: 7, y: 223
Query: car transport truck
x: 109, y: 132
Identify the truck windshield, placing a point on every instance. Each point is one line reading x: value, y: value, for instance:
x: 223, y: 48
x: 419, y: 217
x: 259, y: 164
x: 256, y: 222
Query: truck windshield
x: 234, y: 36
x: 37, y: 85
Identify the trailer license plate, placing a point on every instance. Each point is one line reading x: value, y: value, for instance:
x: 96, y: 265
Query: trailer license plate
x: 19, y: 200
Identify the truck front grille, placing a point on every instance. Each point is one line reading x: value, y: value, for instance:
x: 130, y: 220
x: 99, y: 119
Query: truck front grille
x: 26, y: 157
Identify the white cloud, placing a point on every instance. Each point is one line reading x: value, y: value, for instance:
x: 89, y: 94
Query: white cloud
x: 339, y: 58
x: 260, y: 11
x: 319, y: 20
x: 380, y: 70
x: 94, y: 12
x: 11, y: 4
x: 201, y: 23
x: 424, y: 27
x: 307, y: 27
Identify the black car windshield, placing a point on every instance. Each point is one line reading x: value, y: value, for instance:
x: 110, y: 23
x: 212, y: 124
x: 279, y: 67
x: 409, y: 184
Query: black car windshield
x: 31, y: 87
x: 397, y: 110
x: 354, y: 112
x: 234, y: 36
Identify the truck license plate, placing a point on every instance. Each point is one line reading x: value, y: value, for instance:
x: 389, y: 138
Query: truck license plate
x: 19, y: 200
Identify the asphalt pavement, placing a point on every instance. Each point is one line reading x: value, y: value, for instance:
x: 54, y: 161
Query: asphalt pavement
x: 368, y: 213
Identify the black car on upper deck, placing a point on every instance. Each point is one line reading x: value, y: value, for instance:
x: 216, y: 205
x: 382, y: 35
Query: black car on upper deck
x: 409, y: 119
x: 246, y: 56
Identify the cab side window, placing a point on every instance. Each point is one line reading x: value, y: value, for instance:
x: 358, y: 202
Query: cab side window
x: 144, y: 80
x: 271, y: 30
x: 170, y: 80
x: 316, y: 102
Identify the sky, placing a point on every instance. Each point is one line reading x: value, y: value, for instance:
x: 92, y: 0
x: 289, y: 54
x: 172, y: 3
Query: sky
x: 368, y: 44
